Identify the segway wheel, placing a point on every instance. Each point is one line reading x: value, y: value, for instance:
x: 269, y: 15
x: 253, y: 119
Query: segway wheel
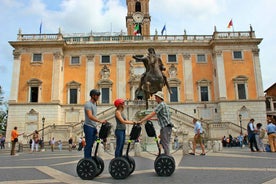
x: 131, y: 162
x: 86, y: 169
x: 164, y: 165
x: 100, y: 164
x: 119, y: 168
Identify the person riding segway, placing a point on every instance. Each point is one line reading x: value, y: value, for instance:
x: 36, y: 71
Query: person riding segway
x: 121, y: 167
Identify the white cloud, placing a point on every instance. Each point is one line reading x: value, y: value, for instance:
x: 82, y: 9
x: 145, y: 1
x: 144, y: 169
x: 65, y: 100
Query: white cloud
x: 82, y: 16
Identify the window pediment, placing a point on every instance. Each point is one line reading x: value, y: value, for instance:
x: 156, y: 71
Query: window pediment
x: 73, y: 84
x: 34, y: 82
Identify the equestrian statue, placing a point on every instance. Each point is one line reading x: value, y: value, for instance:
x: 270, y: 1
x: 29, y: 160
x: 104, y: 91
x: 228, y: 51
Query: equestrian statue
x: 153, y: 79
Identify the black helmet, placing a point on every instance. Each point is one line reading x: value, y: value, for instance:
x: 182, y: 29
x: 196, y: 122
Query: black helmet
x: 95, y: 92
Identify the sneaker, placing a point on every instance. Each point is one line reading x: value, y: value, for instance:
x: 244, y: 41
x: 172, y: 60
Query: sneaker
x: 202, y: 154
x: 191, y: 153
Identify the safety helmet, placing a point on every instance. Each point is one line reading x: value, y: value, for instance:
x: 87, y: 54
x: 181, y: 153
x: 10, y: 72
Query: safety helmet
x: 118, y: 102
x: 95, y: 92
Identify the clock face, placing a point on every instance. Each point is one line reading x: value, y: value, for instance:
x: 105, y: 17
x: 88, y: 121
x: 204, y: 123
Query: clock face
x: 138, y: 17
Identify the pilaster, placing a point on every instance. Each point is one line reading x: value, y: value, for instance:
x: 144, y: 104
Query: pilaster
x: 220, y: 74
x: 90, y: 71
x: 15, y: 76
x: 258, y: 74
x: 121, y: 77
x: 57, y: 78
x: 188, y: 77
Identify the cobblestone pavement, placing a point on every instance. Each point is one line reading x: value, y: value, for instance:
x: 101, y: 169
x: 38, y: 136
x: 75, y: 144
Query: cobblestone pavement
x: 231, y: 165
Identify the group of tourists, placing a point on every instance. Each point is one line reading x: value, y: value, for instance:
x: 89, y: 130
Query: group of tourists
x: 90, y: 123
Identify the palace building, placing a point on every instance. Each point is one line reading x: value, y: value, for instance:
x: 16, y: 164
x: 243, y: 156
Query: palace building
x: 216, y: 77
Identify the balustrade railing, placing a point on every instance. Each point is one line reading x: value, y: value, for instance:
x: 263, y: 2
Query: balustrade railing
x: 93, y: 38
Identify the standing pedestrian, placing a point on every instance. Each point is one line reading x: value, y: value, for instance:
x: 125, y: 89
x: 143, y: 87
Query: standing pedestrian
x: 120, y: 131
x: 198, y: 137
x: 59, y: 145
x: 52, y: 143
x: 251, y: 130
x: 35, y: 141
x: 90, y: 123
x: 176, y: 144
x: 240, y: 139
x: 30, y: 144
x: 164, y: 121
x: 80, y: 144
x: 70, y: 142
x: 14, y: 139
x: 259, y: 136
x: 271, y: 133
x: 3, y: 139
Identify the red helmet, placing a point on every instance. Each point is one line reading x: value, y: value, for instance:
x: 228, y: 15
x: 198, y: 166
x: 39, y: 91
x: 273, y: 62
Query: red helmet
x: 118, y: 102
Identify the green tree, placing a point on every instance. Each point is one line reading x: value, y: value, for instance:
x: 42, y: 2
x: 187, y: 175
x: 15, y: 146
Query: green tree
x: 3, y: 112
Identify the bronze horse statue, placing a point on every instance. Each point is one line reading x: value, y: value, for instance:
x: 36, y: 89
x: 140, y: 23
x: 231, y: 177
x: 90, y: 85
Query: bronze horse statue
x: 153, y: 79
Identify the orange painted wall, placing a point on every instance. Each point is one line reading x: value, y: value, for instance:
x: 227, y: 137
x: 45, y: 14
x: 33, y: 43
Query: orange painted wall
x: 233, y: 68
x: 41, y: 71
x: 202, y: 71
x: 75, y: 73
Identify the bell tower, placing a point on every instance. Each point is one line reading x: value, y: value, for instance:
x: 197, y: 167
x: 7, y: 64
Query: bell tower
x: 138, y: 18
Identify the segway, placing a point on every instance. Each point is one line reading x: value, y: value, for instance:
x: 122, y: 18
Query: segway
x: 87, y: 169
x: 164, y: 165
x: 122, y: 167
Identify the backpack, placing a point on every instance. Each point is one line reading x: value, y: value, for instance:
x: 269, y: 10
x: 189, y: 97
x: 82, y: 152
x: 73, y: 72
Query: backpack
x: 135, y: 132
x: 105, y: 130
x: 150, y: 129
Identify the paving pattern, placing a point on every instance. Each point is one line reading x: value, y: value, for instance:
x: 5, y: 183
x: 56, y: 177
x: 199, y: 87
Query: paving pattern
x: 231, y: 165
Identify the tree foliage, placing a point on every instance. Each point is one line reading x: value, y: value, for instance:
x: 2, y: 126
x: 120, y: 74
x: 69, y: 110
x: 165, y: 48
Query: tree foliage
x: 3, y: 112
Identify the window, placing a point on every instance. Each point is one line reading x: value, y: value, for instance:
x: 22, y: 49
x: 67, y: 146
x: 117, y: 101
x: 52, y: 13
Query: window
x: 34, y: 90
x: 138, y: 7
x: 237, y: 55
x: 204, y: 93
x: 241, y: 91
x: 174, y: 95
x: 37, y: 57
x: 75, y: 60
x: 201, y: 58
x: 172, y: 58
x: 73, y: 92
x: 241, y: 88
x: 34, y: 94
x: 105, y: 95
x: 73, y: 96
x: 204, y: 90
x: 105, y: 59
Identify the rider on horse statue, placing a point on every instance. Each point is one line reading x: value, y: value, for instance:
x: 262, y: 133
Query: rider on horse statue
x: 154, y: 70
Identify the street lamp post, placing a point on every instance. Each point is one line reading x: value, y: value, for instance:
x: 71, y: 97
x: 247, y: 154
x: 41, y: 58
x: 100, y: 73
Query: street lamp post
x: 42, y: 144
x: 240, y: 116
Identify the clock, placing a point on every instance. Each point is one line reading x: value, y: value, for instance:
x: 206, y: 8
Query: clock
x: 138, y: 17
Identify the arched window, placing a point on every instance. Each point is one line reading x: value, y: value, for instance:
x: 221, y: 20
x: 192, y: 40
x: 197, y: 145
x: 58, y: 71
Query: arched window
x: 137, y: 7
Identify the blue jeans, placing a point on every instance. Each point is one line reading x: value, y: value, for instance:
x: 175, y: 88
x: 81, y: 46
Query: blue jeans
x: 90, y: 137
x: 120, y: 141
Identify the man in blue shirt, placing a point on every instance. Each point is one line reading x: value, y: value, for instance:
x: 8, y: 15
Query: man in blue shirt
x: 271, y: 133
x: 198, y: 137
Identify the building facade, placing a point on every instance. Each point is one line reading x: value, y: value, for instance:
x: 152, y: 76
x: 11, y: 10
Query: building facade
x: 214, y: 77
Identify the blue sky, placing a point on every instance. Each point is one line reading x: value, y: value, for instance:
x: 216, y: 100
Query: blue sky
x: 197, y: 17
